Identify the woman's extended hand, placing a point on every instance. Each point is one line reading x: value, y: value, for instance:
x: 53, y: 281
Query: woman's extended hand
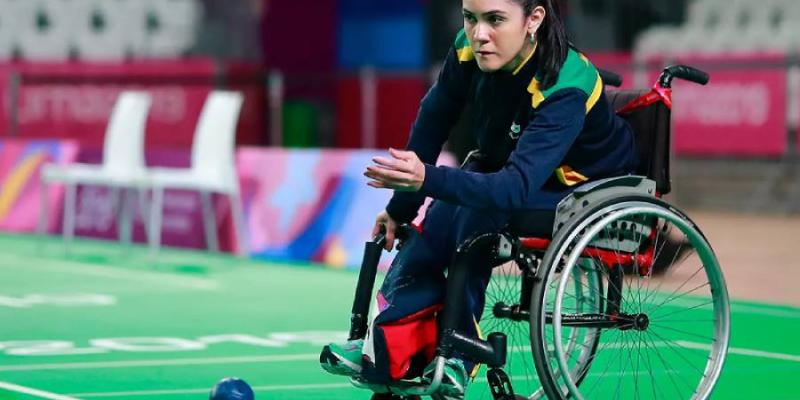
x: 385, y: 220
x: 404, y: 171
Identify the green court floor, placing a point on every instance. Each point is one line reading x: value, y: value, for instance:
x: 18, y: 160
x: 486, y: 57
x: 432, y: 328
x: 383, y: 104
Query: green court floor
x: 105, y: 322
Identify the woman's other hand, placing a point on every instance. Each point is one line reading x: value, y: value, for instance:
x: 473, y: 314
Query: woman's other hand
x: 384, y: 220
x: 404, y: 171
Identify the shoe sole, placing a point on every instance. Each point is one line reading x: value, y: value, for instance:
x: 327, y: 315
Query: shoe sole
x: 334, y: 364
x: 448, y: 390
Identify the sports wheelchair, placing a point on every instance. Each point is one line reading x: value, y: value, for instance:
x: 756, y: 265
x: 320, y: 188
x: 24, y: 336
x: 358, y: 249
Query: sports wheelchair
x: 625, y: 299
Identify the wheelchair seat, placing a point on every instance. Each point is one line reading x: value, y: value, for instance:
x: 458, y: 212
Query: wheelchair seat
x: 532, y: 223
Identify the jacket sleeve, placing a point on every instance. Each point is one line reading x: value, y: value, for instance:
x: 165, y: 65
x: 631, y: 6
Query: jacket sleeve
x: 438, y: 113
x: 540, y: 150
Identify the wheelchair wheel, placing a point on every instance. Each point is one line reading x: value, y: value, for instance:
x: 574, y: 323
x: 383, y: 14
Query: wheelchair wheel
x: 585, y: 294
x: 659, y: 336
x: 507, y: 310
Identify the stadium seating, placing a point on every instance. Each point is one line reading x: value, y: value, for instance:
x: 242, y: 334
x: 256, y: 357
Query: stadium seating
x: 101, y: 29
x: 726, y: 26
x: 44, y: 29
x: 170, y: 27
x: 8, y: 28
x: 54, y: 30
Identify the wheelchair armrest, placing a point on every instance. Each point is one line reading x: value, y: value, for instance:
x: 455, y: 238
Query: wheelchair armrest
x: 621, y: 182
x: 592, y: 192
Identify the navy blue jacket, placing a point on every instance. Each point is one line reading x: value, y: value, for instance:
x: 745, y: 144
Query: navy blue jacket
x: 536, y: 145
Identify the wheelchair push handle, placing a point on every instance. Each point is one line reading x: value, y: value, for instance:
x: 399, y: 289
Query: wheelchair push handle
x: 379, y: 239
x: 366, y: 282
x: 684, y: 72
x: 610, y: 78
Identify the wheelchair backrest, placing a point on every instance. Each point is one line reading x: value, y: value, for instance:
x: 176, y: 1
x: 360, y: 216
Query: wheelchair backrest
x: 651, y: 126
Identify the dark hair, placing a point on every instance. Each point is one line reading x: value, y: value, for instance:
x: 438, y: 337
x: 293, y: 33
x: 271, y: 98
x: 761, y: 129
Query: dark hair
x: 553, y: 45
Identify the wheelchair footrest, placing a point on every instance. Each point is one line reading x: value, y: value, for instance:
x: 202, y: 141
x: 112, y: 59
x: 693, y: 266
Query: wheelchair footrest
x: 399, y: 389
x: 500, y: 384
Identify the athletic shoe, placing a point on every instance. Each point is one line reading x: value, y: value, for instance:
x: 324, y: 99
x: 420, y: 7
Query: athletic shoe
x: 342, y: 359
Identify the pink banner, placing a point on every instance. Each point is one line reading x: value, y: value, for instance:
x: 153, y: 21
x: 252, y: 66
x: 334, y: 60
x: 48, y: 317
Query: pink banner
x: 310, y: 205
x: 396, y: 107
x: 740, y: 112
x: 20, y: 166
x: 304, y: 205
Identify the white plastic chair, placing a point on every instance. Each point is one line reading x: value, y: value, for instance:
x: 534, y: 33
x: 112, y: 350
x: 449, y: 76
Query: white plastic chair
x: 123, y: 166
x: 212, y: 170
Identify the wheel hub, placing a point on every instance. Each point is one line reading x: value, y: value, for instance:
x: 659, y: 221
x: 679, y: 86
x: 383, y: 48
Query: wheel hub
x: 641, y: 322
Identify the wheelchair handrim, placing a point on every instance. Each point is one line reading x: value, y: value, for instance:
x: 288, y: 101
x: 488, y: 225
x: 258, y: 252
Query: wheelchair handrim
x: 720, y: 300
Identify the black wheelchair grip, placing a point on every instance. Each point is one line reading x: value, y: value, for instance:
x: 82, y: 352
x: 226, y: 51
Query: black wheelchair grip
x: 684, y: 72
x: 366, y: 282
x: 610, y: 78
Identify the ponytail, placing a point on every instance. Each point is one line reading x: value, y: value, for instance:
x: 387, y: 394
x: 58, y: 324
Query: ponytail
x: 551, y: 38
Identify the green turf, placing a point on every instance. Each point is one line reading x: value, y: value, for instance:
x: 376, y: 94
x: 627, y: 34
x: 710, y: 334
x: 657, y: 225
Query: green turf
x: 184, y: 307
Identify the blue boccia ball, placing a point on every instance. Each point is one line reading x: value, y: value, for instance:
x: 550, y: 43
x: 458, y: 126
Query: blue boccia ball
x: 231, y: 389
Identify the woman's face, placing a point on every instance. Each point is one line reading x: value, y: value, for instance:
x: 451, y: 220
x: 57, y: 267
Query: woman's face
x: 499, y: 32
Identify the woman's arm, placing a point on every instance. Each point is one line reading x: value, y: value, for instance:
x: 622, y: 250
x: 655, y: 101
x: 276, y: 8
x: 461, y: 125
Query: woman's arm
x: 541, y: 149
x: 438, y: 113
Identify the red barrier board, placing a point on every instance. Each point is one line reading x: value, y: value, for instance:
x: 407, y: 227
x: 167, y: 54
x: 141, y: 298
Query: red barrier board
x: 74, y: 100
x: 398, y: 100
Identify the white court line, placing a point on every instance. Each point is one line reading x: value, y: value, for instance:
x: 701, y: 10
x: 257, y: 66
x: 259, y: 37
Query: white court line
x: 741, y: 351
x: 772, y: 312
x: 317, y: 386
x: 315, y: 356
x: 306, y: 357
x: 34, y: 392
x: 159, y: 363
x: 79, y: 268
x: 753, y: 309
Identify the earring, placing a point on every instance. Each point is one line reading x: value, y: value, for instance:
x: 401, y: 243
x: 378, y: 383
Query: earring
x: 533, y: 37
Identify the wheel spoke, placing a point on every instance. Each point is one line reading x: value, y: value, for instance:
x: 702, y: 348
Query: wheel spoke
x: 674, y: 347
